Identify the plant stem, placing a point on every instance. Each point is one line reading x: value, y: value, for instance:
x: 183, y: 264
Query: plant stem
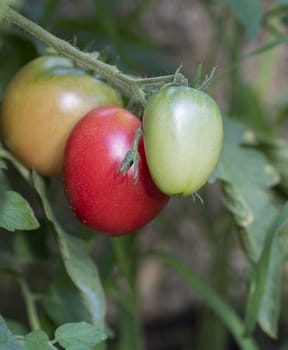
x: 105, y: 70
x: 211, y: 298
x: 129, y: 86
x: 8, y: 156
x: 130, y: 328
x: 156, y: 80
x: 132, y: 157
x: 30, y: 304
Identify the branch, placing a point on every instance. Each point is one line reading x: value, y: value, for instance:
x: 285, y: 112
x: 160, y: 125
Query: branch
x: 129, y: 86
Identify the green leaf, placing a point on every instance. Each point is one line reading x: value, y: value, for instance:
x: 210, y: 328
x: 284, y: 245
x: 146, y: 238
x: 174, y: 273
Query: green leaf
x: 16, y: 213
x: 79, y: 266
x: 16, y: 327
x: 268, y: 46
x: 65, y: 305
x: 79, y: 335
x: 84, y: 274
x: 277, y: 152
x: 248, y: 12
x: 262, y: 273
x: 7, y: 340
x: 211, y: 299
x: 246, y: 176
x: 247, y: 196
x: 78, y: 347
x: 37, y: 340
x: 269, y: 312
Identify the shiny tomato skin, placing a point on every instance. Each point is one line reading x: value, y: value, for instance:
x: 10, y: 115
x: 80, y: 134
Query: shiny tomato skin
x: 183, y: 136
x: 41, y: 105
x: 101, y: 197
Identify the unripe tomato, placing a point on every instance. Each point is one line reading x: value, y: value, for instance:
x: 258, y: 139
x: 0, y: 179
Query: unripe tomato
x: 183, y: 137
x: 99, y: 194
x: 42, y: 103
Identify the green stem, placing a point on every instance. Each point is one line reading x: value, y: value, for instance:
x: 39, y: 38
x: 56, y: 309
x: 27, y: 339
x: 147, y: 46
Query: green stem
x: 132, y: 156
x: 122, y: 260
x: 131, y: 331
x: 159, y: 80
x: 8, y: 156
x: 107, y: 71
x: 211, y: 299
x: 30, y: 304
x: 129, y: 85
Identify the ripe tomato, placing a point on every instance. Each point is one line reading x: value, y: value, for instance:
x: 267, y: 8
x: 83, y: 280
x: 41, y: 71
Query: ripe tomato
x: 99, y: 194
x: 42, y: 104
x: 183, y: 137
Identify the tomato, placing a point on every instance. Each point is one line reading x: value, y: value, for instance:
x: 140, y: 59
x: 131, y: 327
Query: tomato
x: 183, y: 137
x: 42, y: 104
x: 101, y: 196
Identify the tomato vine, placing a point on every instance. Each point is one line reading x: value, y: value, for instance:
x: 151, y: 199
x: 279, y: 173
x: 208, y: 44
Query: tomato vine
x: 131, y: 86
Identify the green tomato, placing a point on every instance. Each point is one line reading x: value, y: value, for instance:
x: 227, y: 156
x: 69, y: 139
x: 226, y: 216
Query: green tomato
x: 183, y: 136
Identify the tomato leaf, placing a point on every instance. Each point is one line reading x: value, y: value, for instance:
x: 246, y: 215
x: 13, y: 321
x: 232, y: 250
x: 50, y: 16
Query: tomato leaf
x: 65, y: 305
x: 78, y: 264
x: 247, y: 196
x: 249, y: 199
x: 277, y: 152
x: 269, y: 311
x: 16, y: 213
x: 248, y: 12
x: 268, y: 46
x: 265, y: 268
x: 16, y: 327
x: 7, y: 340
x: 37, y: 340
x: 80, y: 335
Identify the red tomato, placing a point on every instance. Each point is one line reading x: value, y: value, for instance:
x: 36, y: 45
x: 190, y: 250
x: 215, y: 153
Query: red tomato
x: 99, y: 194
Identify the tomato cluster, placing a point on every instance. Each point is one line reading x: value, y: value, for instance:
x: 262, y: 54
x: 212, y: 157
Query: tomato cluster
x: 58, y: 119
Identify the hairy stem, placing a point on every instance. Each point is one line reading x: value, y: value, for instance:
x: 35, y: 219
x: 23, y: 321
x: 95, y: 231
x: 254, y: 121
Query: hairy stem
x: 132, y: 157
x: 128, y: 85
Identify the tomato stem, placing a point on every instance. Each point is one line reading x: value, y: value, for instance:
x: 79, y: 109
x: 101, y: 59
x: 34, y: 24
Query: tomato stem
x: 132, y: 157
x: 177, y: 78
x: 129, y: 86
